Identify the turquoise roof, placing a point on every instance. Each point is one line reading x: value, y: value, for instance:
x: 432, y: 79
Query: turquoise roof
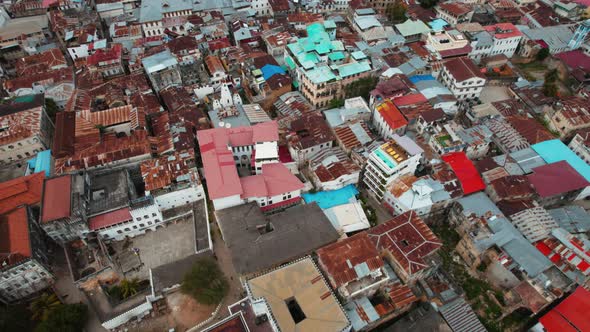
x: 321, y: 74
x: 438, y: 24
x: 554, y: 150
x: 353, y: 68
x: 385, y: 158
x: 336, y: 56
x: 358, y: 55
x: 329, y: 24
x: 41, y: 162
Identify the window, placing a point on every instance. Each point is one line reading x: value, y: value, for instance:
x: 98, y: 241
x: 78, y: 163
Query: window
x: 134, y: 227
x: 141, y: 225
x: 145, y: 217
x: 127, y: 229
x: 153, y: 214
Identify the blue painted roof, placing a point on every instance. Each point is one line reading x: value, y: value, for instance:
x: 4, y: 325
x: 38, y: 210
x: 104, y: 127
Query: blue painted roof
x: 269, y: 71
x: 41, y: 162
x: 418, y: 78
x: 554, y: 150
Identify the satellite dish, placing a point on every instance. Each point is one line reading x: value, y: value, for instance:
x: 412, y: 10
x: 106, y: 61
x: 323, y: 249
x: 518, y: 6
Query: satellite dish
x: 221, y: 124
x: 228, y: 125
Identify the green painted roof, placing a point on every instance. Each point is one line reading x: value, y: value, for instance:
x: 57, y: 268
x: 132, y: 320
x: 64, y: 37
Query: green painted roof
x: 359, y: 55
x: 409, y: 28
x: 329, y: 24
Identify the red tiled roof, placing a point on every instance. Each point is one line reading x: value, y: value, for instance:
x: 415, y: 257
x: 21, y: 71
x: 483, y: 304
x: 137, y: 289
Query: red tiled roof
x: 392, y: 115
x: 466, y: 172
x: 556, y: 178
x: 109, y: 218
x: 161, y: 172
x: 33, y: 64
x: 401, y: 295
x: 15, y: 244
x: 408, y: 239
x: 503, y: 30
x: 340, y: 259
x: 105, y: 55
x: 463, y: 69
x: 575, y: 59
x: 411, y: 99
x: 25, y: 190
x: 57, y: 198
x: 454, y: 8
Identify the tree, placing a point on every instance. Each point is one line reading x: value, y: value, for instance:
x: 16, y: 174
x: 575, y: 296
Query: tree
x: 15, y: 319
x: 129, y: 287
x: 43, y: 305
x: 428, y: 3
x: 550, y: 89
x: 361, y: 87
x: 336, y: 103
x: 543, y: 54
x: 396, y: 12
x: 51, y: 108
x: 205, y: 282
x: 65, y: 318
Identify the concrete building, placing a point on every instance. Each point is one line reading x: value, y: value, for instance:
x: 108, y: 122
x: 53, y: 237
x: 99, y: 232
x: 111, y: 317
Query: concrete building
x: 332, y: 169
x: 24, y: 270
x: 407, y: 243
x: 568, y: 115
x: 389, y: 161
x: 162, y: 70
x: 297, y: 296
x: 26, y: 128
x: 454, y: 12
x: 534, y: 223
x: 389, y: 120
x: 157, y: 16
x: 353, y: 266
x: 426, y: 197
x: 463, y: 78
x: 310, y: 134
x: 412, y: 30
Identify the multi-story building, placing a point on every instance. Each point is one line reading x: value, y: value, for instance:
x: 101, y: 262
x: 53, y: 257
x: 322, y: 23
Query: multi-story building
x: 454, y: 12
x: 250, y: 149
x: 556, y: 183
x: 162, y: 70
x: 157, y: 16
x: 535, y: 223
x: 463, y: 78
x: 25, y: 128
x: 321, y: 66
x: 568, y: 115
x: 310, y: 134
x: 580, y: 144
x: 391, y: 160
x: 425, y: 196
x: 448, y: 43
x: 23, y: 259
x: 389, y: 120
x: 506, y: 38
x: 332, y: 169
x: 407, y: 243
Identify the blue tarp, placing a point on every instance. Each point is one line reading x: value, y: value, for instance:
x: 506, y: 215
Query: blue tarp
x: 418, y: 78
x: 269, y: 70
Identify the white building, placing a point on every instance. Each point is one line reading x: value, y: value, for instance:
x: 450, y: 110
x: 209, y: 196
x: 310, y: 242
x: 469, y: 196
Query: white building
x: 332, y: 169
x: 535, y: 223
x: 156, y: 16
x: 389, y: 120
x: 463, y: 78
x: 142, y: 215
x: 391, y: 160
x: 580, y: 144
x: 424, y: 196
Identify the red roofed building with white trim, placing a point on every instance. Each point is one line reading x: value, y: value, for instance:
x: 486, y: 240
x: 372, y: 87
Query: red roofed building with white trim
x: 229, y: 152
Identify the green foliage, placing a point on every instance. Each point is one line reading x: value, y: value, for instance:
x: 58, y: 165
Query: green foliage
x: 51, y: 108
x: 543, y: 54
x: 552, y: 76
x: 42, y: 306
x: 336, y: 103
x: 481, y: 267
x: 396, y: 12
x: 550, y: 89
x: 129, y: 287
x: 15, y: 319
x: 205, y: 282
x: 361, y: 87
x: 428, y: 3
x: 65, y: 318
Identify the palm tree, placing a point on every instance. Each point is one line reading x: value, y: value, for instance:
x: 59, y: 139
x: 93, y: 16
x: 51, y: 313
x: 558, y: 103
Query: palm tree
x: 129, y: 287
x: 43, y: 305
